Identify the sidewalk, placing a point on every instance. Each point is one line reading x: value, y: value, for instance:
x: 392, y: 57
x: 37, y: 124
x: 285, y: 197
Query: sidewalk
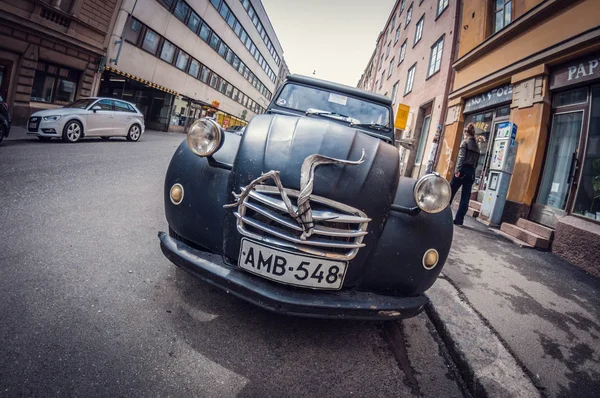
x: 545, y: 312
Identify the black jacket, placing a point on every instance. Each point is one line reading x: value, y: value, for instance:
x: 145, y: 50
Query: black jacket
x: 468, y: 154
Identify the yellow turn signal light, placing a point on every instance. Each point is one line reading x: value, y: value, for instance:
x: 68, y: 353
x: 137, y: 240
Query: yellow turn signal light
x: 430, y: 259
x: 176, y: 194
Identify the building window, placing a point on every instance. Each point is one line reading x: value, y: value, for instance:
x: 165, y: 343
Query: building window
x: 502, y: 14
x: 442, y: 5
x: 223, y: 50
x: 402, y: 52
x: 205, y: 74
x: 204, y: 32
x: 410, y: 79
x: 423, y: 139
x: 408, y: 15
x: 394, y: 92
x: 224, y: 10
x: 419, y: 30
x: 193, y: 22
x: 435, y: 57
x: 150, y: 43
x: 53, y: 83
x: 182, y: 60
x: 387, y: 51
x: 132, y: 30
x: 381, y: 62
x: 390, y: 68
x: 168, y: 51
x: 181, y: 10
x: 393, y: 23
x: 381, y: 80
x: 194, y: 68
x: 215, y: 42
x: 215, y: 3
x: 401, y: 7
x: 397, y: 34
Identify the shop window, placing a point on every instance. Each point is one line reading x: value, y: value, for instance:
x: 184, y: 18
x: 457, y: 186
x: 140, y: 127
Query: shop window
x: 502, y: 14
x: 204, y: 32
x: 503, y: 112
x: 194, y: 68
x: 150, y: 43
x: 587, y: 201
x: 483, y: 125
x: 181, y: 10
x: 168, y: 51
x: 132, y: 30
x: 53, y: 83
x: 194, y: 22
x: 182, y: 60
x: 572, y: 97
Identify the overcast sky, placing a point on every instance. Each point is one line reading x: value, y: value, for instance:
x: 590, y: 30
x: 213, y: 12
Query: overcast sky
x: 334, y: 37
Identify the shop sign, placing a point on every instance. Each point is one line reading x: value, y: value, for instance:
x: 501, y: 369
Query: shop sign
x: 401, y: 116
x: 574, y: 72
x: 215, y: 104
x: 492, y: 97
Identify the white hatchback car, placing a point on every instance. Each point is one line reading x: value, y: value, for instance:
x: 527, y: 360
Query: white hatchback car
x: 88, y: 117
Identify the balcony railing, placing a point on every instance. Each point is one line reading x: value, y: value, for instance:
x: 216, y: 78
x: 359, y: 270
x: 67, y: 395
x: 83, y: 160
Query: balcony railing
x: 54, y: 15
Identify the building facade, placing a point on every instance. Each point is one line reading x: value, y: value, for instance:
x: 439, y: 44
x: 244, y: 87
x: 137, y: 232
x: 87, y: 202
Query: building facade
x: 178, y: 60
x: 412, y: 64
x: 51, y: 51
x: 535, y: 63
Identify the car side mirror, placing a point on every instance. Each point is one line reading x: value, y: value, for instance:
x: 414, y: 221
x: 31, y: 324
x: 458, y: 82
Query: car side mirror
x: 96, y: 108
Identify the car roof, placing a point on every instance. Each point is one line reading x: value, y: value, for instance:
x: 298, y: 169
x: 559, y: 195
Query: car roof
x: 312, y: 81
x: 108, y: 98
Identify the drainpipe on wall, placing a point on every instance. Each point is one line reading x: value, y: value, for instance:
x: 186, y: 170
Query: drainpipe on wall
x: 449, y: 81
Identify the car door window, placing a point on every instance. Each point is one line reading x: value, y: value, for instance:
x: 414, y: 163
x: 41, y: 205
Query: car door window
x: 105, y: 105
x: 121, y: 106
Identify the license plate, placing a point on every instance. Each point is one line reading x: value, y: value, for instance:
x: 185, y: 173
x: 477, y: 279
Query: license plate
x: 291, y: 268
x: 33, y: 125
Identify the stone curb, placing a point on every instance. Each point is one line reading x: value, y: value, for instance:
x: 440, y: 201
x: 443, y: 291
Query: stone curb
x: 488, y: 368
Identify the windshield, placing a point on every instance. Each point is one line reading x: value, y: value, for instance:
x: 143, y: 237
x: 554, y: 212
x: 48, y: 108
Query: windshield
x: 81, y: 104
x: 337, y: 106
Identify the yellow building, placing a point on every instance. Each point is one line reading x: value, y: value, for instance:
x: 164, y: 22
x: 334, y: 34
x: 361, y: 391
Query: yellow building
x: 535, y: 63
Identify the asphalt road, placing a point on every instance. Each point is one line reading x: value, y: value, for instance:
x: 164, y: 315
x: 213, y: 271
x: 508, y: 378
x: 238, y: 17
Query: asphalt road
x: 90, y: 307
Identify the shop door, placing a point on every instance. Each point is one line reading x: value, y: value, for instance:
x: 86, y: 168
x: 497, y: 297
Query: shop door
x: 559, y: 176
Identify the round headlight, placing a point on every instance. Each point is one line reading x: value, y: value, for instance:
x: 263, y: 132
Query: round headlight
x: 432, y: 193
x: 204, y: 137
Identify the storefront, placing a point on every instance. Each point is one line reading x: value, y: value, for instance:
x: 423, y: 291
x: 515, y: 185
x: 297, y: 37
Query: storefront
x: 154, y: 101
x: 485, y: 111
x: 570, y: 180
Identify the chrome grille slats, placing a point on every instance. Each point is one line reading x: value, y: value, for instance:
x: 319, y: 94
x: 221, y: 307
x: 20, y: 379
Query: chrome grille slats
x: 338, y: 233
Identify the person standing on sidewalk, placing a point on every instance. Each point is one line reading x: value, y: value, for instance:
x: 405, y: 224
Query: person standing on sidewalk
x: 464, y: 175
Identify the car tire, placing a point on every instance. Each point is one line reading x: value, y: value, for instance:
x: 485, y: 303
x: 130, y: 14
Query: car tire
x: 44, y: 139
x: 1, y: 134
x: 72, y: 132
x: 105, y: 138
x: 135, y: 132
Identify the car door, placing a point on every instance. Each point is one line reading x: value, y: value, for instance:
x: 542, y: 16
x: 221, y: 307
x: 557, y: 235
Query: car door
x: 122, y: 119
x: 100, y: 121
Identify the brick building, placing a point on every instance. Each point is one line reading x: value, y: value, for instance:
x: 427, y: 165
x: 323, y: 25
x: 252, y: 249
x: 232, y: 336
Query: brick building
x: 412, y: 64
x: 535, y: 63
x: 51, y: 51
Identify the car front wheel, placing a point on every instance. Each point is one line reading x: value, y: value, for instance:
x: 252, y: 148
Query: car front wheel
x: 134, y: 133
x: 72, y: 131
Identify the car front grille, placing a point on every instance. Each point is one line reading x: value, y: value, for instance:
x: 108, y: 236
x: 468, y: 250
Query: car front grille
x: 338, y: 233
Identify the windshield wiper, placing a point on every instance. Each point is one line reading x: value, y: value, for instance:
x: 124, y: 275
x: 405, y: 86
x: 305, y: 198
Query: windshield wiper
x: 324, y: 113
x: 375, y: 126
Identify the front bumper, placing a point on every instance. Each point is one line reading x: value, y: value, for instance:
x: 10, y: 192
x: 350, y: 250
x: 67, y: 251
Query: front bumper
x: 50, y: 128
x: 286, y: 299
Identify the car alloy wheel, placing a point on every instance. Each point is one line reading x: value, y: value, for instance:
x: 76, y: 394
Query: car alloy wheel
x: 72, y: 132
x: 134, y: 133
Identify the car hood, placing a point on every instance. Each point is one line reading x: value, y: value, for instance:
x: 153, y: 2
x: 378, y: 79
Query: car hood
x: 282, y: 143
x: 59, y: 112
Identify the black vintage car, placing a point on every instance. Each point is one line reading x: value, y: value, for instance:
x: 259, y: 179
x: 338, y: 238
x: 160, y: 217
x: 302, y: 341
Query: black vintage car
x: 306, y: 213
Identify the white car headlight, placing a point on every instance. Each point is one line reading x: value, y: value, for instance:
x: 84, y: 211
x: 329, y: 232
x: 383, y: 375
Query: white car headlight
x: 51, y: 118
x: 204, y: 137
x: 432, y: 193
